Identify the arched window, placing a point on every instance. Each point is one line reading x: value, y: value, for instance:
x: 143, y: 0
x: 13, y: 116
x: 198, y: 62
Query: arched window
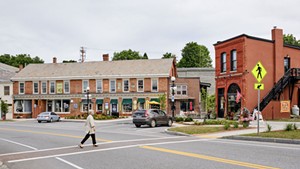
x: 232, y: 105
x: 223, y: 62
x: 233, y: 61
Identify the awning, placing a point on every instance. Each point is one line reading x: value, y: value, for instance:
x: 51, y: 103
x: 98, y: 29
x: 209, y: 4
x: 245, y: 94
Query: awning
x: 114, y: 101
x: 84, y: 101
x: 141, y: 100
x: 154, y: 102
x: 99, y: 101
x: 127, y: 101
x: 154, y: 99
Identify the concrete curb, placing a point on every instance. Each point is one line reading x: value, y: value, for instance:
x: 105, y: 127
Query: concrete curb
x: 263, y: 139
x: 175, y: 133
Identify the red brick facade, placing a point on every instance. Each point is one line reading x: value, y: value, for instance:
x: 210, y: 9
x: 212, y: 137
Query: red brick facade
x: 250, y: 51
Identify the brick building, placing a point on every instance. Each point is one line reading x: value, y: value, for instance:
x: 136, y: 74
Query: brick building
x: 235, y: 60
x: 116, y: 87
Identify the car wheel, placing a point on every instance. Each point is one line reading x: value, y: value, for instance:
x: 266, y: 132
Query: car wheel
x: 137, y: 125
x: 152, y: 123
x: 170, y: 122
x: 39, y: 121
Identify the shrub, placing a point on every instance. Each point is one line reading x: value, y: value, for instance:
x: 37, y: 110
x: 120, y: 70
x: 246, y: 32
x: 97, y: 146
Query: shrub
x: 179, y: 119
x: 197, y: 123
x: 295, y: 126
x: 226, y: 126
x: 188, y: 119
x: 289, y: 127
x: 269, y: 128
x: 245, y: 124
x: 235, y: 125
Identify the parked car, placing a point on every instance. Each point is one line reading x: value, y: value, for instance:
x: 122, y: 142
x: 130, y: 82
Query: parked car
x: 151, y: 117
x: 48, y: 117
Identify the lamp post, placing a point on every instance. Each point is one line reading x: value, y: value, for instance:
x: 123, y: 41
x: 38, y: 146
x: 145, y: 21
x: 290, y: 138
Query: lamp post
x: 87, y: 95
x: 173, y: 87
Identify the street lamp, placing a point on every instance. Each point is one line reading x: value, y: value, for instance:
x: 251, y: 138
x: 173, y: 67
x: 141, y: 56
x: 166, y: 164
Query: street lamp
x: 173, y: 87
x: 87, y: 95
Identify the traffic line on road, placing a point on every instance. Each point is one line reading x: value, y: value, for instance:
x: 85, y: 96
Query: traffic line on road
x: 211, y: 158
x: 18, y: 144
x: 67, y: 162
x: 48, y: 133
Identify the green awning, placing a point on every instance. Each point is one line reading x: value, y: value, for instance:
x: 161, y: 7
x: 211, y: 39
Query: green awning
x: 141, y: 100
x: 154, y: 99
x: 127, y: 101
x: 114, y: 101
x: 84, y: 101
x: 99, y: 101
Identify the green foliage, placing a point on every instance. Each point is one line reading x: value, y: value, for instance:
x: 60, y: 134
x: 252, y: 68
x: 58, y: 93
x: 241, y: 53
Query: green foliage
x: 236, y: 125
x: 226, y: 126
x: 218, y: 122
x: 4, y: 107
x: 295, y: 126
x: 269, y: 128
x: 168, y: 55
x: 194, y: 55
x: 289, y: 127
x: 211, y: 103
x: 128, y: 55
x: 290, y: 40
x: 188, y: 119
x: 19, y: 59
x: 245, y: 124
x: 69, y: 61
x: 162, y: 100
x: 179, y: 119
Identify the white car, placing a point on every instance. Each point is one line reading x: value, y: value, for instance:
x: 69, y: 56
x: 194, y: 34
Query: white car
x: 48, y: 117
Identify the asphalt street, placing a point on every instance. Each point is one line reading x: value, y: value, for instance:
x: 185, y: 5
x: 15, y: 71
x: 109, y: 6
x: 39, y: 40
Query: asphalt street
x: 31, y: 145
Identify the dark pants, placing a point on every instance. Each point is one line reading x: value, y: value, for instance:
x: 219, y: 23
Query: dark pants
x: 87, y: 136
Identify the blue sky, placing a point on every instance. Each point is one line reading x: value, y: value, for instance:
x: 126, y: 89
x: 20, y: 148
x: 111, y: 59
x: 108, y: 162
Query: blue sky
x: 59, y: 28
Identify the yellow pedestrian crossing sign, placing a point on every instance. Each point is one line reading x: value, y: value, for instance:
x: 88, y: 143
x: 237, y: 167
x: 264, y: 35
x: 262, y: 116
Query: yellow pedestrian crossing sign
x: 259, y: 72
x: 259, y: 86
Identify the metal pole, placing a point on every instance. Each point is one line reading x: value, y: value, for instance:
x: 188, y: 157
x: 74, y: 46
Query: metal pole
x: 88, y: 92
x: 258, y: 96
x: 173, y: 104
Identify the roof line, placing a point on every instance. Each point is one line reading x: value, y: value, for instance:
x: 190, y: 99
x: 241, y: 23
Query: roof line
x: 245, y: 35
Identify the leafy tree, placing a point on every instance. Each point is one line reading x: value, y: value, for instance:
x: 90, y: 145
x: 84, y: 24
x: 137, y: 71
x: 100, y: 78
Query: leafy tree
x: 4, y: 108
x: 69, y: 61
x: 23, y: 59
x: 168, y: 55
x: 290, y: 40
x: 128, y: 55
x: 145, y: 56
x: 194, y: 55
x: 162, y: 100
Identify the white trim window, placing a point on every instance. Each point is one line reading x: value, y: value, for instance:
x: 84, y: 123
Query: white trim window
x: 44, y: 88
x: 154, y: 85
x: 181, y: 90
x: 140, y: 85
x: 85, y: 84
x: 125, y: 85
x: 112, y: 86
x: 52, y: 87
x: 66, y: 86
x: 35, y: 87
x: 99, y: 86
x: 223, y: 62
x: 21, y: 87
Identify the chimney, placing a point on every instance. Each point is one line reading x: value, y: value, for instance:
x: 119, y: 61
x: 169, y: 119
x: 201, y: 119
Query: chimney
x: 20, y: 67
x: 54, y: 60
x: 105, y: 57
x: 277, y: 37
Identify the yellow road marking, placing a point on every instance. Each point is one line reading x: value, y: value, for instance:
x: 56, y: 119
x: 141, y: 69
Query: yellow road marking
x: 233, y: 162
x: 53, y: 134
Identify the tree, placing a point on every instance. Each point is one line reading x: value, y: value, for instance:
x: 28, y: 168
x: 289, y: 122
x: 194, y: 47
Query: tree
x: 69, y: 61
x: 23, y: 59
x: 128, y: 55
x: 162, y: 100
x: 168, y: 55
x: 194, y: 55
x: 290, y: 40
x: 4, y: 109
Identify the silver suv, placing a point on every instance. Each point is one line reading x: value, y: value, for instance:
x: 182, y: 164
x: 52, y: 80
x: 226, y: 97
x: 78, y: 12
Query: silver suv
x: 151, y: 117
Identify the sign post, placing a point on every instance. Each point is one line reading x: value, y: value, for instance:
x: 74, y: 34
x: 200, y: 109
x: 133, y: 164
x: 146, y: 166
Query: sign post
x: 259, y: 72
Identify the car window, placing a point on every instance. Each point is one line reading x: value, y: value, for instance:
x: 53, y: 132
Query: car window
x: 53, y: 113
x: 162, y: 113
x: 155, y: 112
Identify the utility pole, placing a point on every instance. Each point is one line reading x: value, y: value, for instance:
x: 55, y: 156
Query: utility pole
x: 82, y: 54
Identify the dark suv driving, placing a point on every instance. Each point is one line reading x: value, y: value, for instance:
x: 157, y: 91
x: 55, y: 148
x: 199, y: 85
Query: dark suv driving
x: 151, y: 117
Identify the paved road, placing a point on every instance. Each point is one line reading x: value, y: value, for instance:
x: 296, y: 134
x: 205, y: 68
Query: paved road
x: 30, y: 145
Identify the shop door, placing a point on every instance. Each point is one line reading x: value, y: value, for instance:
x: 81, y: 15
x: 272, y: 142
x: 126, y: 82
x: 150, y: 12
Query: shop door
x: 221, y: 103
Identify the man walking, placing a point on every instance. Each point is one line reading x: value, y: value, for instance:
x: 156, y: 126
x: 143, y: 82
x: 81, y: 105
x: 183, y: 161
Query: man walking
x: 90, y: 130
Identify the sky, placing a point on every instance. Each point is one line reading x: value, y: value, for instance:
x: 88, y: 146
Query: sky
x: 59, y: 28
